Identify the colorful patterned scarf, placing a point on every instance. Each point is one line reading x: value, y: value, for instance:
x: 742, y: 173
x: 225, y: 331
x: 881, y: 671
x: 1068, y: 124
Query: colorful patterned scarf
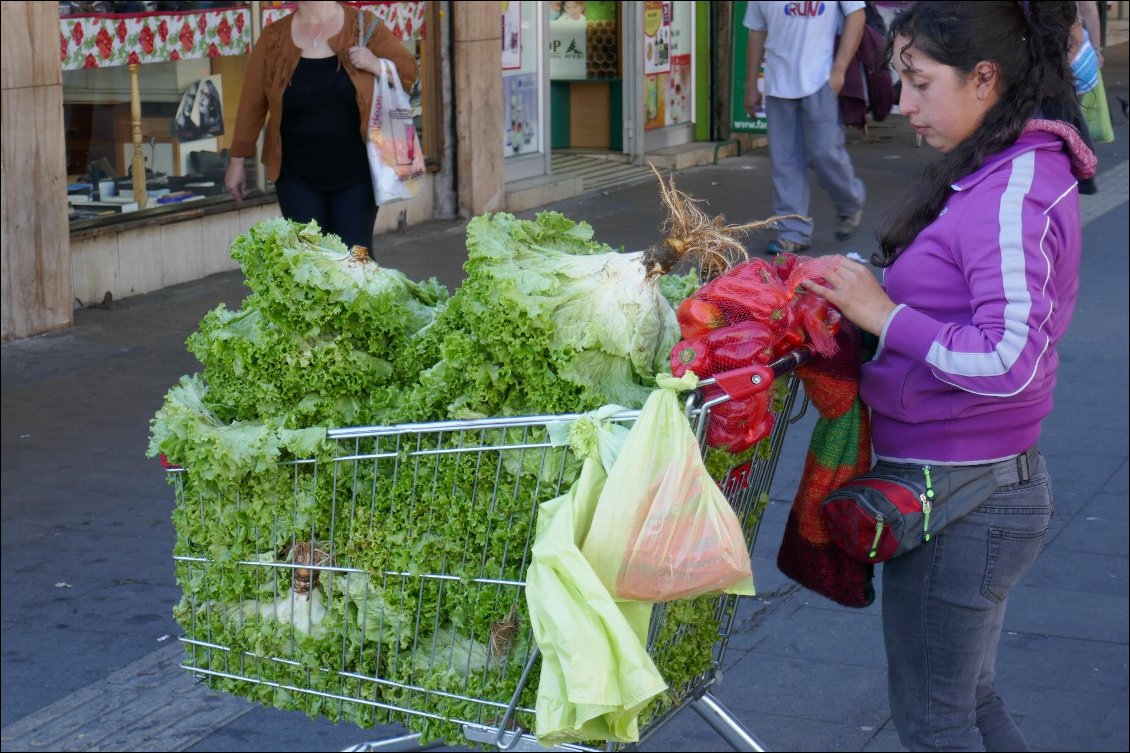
x: 840, y: 450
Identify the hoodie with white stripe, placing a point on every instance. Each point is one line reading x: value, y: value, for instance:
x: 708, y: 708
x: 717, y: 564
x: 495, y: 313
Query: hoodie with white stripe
x: 967, y: 361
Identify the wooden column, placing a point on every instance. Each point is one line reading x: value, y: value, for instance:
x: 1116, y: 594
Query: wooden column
x: 477, y: 90
x: 140, y: 194
x: 36, y: 256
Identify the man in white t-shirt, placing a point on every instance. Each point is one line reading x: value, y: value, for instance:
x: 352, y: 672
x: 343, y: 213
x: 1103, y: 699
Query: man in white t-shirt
x: 804, y: 72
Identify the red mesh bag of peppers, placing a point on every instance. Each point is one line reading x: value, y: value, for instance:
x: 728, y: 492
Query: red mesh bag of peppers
x: 753, y: 314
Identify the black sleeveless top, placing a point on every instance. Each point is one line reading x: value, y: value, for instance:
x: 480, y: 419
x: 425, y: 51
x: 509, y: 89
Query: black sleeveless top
x: 321, y: 145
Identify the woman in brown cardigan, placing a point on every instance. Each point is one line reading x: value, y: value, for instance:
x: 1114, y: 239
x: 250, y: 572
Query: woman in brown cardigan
x: 313, y: 85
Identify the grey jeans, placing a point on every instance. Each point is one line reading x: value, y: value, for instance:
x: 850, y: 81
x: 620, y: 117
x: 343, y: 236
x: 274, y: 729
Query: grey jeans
x: 943, y: 609
x: 807, y: 133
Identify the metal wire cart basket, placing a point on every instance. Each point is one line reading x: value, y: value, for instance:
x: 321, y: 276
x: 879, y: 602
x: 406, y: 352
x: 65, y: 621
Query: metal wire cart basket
x: 372, y: 587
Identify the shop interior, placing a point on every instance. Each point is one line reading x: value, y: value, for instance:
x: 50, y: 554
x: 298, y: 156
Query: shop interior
x: 155, y: 86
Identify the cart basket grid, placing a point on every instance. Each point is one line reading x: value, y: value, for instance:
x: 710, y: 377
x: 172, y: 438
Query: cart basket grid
x: 385, y: 584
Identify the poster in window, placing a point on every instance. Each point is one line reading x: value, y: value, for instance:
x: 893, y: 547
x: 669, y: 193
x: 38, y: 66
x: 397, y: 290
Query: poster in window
x: 511, y: 35
x: 602, y: 42
x: 679, y: 90
x: 567, y: 40
x: 200, y: 113
x: 740, y: 120
x: 520, y: 113
x: 657, y: 37
x: 655, y: 104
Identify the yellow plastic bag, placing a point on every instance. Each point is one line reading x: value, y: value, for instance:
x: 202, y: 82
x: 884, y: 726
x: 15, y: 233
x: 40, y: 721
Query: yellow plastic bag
x: 662, y: 529
x: 596, y: 675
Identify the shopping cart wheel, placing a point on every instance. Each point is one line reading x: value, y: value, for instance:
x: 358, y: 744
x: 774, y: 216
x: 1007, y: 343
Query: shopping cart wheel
x: 403, y: 742
x: 726, y: 724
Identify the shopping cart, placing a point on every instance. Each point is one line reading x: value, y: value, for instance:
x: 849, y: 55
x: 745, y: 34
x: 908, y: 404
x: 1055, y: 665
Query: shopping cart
x: 341, y: 622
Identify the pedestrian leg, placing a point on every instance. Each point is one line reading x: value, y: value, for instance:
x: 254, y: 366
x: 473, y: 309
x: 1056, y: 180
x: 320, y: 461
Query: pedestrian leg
x: 828, y: 156
x: 301, y: 203
x: 943, y: 609
x: 787, y: 158
x: 353, y: 212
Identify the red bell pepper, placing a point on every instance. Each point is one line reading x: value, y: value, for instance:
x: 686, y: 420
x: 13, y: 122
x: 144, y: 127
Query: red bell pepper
x: 750, y: 436
x: 738, y: 413
x: 809, y: 268
x: 739, y: 345
x: 821, y: 321
x: 789, y: 341
x: 691, y: 355
x: 166, y: 463
x: 697, y: 317
x: 737, y: 425
x: 783, y: 266
x: 834, y: 320
x: 757, y: 432
x: 749, y: 292
x: 723, y: 433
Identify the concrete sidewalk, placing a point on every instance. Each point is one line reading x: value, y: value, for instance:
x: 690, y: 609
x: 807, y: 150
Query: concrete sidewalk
x: 89, y: 647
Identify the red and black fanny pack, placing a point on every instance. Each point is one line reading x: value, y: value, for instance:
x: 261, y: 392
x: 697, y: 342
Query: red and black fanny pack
x: 896, y: 507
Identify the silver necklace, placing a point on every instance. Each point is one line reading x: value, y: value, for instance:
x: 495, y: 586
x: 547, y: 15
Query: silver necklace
x: 321, y: 28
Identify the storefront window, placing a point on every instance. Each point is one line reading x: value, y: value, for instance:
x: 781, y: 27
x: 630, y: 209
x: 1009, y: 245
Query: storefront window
x: 521, y: 91
x: 585, y: 75
x: 186, y: 61
x: 668, y: 42
x: 583, y: 41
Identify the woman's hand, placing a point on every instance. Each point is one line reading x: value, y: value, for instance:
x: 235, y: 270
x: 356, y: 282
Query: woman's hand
x: 363, y: 59
x: 235, y: 179
x: 857, y: 294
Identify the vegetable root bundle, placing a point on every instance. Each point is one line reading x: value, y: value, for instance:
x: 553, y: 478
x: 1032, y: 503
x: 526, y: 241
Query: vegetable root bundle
x: 503, y: 632
x: 308, y: 554
x: 710, y: 241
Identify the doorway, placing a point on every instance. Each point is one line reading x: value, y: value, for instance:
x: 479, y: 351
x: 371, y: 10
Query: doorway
x: 585, y: 70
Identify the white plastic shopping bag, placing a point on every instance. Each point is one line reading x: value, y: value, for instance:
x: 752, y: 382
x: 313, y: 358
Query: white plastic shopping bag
x: 396, y: 161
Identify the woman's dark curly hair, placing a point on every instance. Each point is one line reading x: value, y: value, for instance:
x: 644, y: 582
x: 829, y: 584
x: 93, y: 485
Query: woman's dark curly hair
x: 1027, y: 42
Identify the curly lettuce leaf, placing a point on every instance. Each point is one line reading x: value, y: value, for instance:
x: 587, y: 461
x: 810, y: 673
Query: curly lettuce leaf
x: 190, y: 434
x: 310, y: 286
x: 548, y: 321
x: 255, y: 369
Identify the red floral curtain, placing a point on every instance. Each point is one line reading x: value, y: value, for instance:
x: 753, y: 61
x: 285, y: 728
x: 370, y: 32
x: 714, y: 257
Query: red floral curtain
x: 110, y: 39
x: 405, y: 19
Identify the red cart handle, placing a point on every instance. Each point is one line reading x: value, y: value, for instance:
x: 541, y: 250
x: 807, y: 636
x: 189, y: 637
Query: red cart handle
x: 745, y: 382
x: 749, y: 380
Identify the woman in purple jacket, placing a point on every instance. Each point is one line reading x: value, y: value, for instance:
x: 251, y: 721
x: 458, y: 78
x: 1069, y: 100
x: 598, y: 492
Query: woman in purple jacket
x: 981, y: 274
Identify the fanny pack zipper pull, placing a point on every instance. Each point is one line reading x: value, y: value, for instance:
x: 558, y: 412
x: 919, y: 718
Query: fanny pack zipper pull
x: 926, y: 499
x: 875, y: 541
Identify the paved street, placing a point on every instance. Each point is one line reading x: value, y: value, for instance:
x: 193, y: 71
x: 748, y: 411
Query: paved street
x: 89, y: 650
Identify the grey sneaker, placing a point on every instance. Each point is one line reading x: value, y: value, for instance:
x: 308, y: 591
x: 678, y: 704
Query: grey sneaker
x: 786, y: 247
x: 846, y: 225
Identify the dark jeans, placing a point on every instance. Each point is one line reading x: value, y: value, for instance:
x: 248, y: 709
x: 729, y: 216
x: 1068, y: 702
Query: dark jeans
x: 348, y: 213
x: 943, y: 609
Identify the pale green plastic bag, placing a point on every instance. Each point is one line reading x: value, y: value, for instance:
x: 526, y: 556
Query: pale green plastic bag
x: 662, y: 529
x: 596, y: 675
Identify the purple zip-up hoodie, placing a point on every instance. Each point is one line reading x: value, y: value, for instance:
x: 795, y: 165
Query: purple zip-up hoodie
x: 967, y: 361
